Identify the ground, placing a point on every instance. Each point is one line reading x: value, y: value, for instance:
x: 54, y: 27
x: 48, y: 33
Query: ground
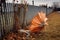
x: 52, y: 31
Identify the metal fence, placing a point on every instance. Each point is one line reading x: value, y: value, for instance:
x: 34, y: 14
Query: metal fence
x: 6, y: 17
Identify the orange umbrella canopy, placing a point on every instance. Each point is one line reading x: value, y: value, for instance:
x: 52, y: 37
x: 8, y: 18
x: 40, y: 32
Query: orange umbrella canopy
x: 36, y: 21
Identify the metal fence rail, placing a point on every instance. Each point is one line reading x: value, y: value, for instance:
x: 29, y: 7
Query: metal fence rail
x: 6, y: 18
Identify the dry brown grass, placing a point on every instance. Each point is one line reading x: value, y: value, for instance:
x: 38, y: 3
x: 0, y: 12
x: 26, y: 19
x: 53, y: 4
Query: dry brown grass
x: 52, y: 31
x: 54, y: 22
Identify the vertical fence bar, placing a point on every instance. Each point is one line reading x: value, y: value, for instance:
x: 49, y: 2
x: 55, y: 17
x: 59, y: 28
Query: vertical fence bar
x: 2, y: 19
x: 6, y: 18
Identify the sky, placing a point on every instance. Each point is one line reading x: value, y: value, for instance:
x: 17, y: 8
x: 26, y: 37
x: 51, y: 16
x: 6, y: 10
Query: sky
x: 37, y: 2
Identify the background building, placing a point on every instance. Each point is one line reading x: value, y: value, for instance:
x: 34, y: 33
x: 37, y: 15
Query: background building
x: 56, y: 4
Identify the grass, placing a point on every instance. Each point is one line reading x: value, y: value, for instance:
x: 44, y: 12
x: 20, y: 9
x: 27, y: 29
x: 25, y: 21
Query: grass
x: 52, y: 31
